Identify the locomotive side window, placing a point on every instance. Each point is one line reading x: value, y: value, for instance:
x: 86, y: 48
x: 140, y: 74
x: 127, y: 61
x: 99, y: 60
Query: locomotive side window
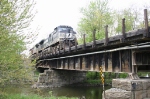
x: 54, y: 35
x: 55, y: 30
x: 62, y: 29
x: 49, y: 39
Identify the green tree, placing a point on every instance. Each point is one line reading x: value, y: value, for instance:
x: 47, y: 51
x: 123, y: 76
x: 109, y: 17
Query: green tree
x: 134, y: 18
x: 95, y: 17
x: 131, y: 19
x: 15, y: 16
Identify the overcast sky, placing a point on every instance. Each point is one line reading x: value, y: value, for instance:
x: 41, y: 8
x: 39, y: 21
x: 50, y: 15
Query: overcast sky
x: 51, y: 13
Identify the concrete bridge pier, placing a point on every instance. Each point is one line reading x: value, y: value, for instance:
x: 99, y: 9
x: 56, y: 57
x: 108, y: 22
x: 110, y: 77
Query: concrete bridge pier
x: 57, y: 78
x: 129, y: 89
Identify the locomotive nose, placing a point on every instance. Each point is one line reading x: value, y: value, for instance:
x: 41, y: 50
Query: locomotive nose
x: 69, y: 35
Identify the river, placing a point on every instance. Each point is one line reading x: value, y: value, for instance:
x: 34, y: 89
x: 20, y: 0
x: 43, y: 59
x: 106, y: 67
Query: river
x: 69, y: 91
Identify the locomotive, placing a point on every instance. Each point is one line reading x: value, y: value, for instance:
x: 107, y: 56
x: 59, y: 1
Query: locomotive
x: 58, y: 39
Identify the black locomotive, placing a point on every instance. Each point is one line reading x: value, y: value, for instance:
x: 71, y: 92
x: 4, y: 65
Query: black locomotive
x: 61, y: 36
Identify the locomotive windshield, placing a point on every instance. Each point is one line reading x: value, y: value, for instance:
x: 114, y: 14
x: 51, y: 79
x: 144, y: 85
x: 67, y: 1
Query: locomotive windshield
x: 65, y: 29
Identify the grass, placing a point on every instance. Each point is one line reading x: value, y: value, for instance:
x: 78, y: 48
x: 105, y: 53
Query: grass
x: 33, y: 96
x: 23, y: 96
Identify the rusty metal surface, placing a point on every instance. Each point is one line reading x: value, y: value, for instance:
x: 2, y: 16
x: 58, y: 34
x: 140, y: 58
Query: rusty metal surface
x: 97, y: 62
x: 146, y: 22
x: 106, y: 35
x: 142, y: 58
x: 94, y: 43
x: 66, y: 63
x: 125, y: 61
x: 116, y: 61
x: 102, y: 61
x: 77, y: 63
x: 71, y: 63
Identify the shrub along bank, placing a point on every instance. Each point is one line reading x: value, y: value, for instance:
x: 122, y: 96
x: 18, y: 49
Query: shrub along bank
x: 93, y: 78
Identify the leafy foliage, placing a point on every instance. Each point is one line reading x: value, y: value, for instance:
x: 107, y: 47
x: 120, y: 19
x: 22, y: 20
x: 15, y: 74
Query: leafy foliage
x: 15, y: 16
x: 95, y: 17
x: 92, y: 75
x: 98, y: 14
x: 132, y: 21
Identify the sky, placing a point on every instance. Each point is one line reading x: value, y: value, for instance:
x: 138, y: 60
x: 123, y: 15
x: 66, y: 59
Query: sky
x: 52, y: 13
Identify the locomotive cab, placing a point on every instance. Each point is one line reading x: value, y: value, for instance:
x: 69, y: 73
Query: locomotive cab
x: 62, y: 35
x: 66, y: 33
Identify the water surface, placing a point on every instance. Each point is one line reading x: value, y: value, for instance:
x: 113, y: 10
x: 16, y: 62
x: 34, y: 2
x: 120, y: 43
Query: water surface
x: 69, y: 91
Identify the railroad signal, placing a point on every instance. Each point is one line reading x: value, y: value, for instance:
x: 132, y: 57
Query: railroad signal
x: 102, y: 79
x: 102, y: 75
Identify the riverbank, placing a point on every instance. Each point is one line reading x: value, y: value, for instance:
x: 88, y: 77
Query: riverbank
x: 24, y: 96
x: 19, y: 91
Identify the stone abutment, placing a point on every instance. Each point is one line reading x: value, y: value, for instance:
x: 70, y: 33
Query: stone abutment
x: 129, y: 89
x: 58, y: 78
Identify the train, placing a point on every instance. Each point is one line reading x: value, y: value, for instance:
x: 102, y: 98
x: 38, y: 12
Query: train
x: 57, y: 40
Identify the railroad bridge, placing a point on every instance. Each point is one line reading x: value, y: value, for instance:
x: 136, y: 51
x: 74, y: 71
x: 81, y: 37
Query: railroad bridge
x: 128, y: 52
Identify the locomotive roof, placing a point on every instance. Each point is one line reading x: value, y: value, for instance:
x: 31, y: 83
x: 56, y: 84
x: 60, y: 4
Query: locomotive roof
x: 63, y: 26
x: 42, y: 41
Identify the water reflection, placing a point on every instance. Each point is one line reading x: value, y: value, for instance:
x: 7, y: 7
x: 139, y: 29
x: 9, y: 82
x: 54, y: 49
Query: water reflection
x: 87, y: 92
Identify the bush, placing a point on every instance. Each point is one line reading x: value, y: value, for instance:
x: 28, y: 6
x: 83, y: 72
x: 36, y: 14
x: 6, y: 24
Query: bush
x: 92, y: 75
x: 123, y: 75
x: 3, y: 95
